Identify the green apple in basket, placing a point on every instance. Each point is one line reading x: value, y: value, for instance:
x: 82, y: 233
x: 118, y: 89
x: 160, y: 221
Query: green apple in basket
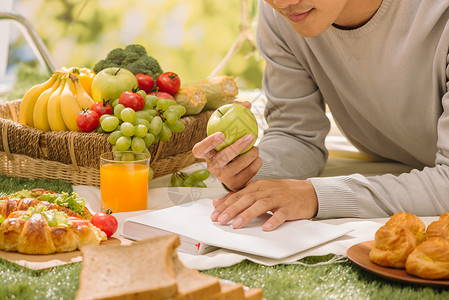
x: 110, y: 83
x: 235, y: 121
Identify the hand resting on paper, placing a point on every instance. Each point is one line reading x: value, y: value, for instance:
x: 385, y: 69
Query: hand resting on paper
x: 233, y: 170
x: 287, y: 199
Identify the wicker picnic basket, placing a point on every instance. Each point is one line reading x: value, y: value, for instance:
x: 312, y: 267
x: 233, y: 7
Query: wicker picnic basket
x: 74, y: 156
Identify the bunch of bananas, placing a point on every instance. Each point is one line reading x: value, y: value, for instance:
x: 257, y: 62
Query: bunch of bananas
x: 54, y: 104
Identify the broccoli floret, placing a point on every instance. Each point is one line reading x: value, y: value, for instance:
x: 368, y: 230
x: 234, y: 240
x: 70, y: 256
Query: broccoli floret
x: 154, y: 69
x: 117, y: 55
x: 130, y: 58
x: 136, y: 48
x: 103, y: 64
x: 134, y: 58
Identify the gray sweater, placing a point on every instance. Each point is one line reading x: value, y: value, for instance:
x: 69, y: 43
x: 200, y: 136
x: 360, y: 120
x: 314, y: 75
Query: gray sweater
x: 386, y: 84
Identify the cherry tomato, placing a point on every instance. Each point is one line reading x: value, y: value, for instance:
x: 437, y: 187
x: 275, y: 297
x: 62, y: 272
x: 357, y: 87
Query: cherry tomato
x: 146, y: 82
x: 162, y: 95
x: 78, y: 222
x: 168, y: 82
x: 102, y: 108
x: 132, y: 100
x: 105, y: 222
x: 88, y: 120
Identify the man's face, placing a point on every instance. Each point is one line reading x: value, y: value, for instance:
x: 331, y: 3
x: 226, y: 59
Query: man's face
x: 310, y: 17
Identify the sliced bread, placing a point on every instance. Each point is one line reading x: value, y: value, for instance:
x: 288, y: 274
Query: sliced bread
x: 193, y: 284
x: 253, y: 293
x: 231, y: 290
x: 141, y: 270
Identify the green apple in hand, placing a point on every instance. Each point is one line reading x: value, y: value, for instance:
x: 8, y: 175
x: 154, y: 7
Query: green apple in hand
x: 235, y: 121
x: 110, y: 83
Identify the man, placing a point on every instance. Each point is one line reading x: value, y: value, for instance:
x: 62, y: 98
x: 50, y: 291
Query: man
x: 382, y: 69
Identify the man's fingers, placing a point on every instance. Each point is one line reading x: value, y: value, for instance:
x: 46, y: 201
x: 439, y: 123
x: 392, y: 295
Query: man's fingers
x: 229, y: 153
x: 278, y: 218
x: 205, y: 148
x: 257, y: 208
x: 243, y: 161
x: 222, y: 203
x: 244, y: 103
x: 233, y: 207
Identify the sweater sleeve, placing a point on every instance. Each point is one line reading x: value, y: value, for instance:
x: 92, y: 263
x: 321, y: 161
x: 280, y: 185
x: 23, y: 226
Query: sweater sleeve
x: 422, y: 192
x: 293, y: 145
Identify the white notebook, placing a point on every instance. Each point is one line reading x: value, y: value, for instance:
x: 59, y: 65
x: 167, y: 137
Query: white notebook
x: 199, y: 235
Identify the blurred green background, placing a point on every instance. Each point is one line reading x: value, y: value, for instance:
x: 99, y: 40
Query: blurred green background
x: 189, y: 37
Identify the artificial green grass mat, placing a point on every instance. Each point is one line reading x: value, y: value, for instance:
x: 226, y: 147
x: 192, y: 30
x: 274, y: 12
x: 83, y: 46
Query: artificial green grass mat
x: 327, y: 281
x: 9, y: 185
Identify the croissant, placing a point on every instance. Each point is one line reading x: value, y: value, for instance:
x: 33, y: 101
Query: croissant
x: 393, y: 244
x: 430, y: 259
x: 35, y: 236
x: 411, y: 222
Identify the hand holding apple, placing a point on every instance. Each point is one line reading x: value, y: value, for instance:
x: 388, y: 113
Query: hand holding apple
x: 110, y: 83
x: 234, y: 121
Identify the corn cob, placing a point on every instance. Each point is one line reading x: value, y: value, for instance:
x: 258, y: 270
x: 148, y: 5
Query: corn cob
x: 192, y: 98
x: 219, y: 90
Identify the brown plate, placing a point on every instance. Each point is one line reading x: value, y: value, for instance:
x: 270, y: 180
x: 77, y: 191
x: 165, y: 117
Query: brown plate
x: 359, y: 255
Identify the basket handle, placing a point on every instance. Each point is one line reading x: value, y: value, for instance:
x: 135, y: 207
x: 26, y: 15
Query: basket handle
x: 13, y: 110
x: 158, y: 152
x: 5, y: 142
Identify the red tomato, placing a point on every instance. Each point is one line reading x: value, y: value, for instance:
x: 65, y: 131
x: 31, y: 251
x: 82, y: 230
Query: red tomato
x: 78, y: 222
x: 88, y: 120
x: 105, y: 222
x: 163, y: 95
x: 146, y: 82
x: 168, y: 82
x: 132, y: 100
x: 102, y: 108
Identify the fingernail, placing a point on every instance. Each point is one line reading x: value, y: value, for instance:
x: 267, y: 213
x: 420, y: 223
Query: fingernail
x: 219, y: 137
x: 237, y: 223
x: 267, y: 226
x: 214, y: 215
x: 223, y: 218
x: 248, y: 138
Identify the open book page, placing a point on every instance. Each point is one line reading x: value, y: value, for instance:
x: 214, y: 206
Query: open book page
x: 192, y: 222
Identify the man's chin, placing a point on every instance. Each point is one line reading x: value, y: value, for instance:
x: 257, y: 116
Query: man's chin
x: 307, y: 32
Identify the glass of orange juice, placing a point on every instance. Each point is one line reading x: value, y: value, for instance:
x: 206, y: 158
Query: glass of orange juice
x: 124, y: 177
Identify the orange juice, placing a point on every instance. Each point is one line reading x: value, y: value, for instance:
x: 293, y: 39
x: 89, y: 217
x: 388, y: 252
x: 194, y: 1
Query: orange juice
x: 124, y: 186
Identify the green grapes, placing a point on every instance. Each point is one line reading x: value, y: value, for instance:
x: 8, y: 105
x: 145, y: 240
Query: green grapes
x: 195, y: 179
x: 141, y: 131
x: 155, y: 125
x: 165, y: 133
x: 123, y: 143
x: 118, y: 110
x: 136, y: 131
x: 127, y: 129
x: 128, y: 115
x: 110, y: 123
x: 113, y: 137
